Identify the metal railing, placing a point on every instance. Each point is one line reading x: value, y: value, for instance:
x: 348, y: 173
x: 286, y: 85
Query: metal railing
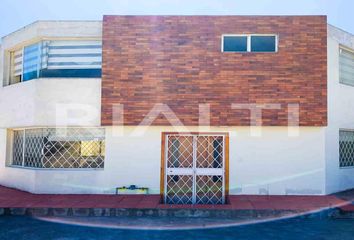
x: 346, y: 148
x: 59, y: 148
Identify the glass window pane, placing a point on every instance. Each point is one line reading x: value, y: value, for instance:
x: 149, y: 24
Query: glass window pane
x: 71, y: 73
x: 235, y: 44
x: 74, y: 55
x: 263, y: 44
x: 16, y: 66
x: 346, y: 67
x: 31, y: 61
x: 346, y: 148
x: 90, y: 148
x: 77, y: 58
x: 59, y: 148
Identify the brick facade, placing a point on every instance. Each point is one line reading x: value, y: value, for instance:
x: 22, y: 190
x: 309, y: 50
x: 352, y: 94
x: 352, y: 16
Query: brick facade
x: 177, y: 60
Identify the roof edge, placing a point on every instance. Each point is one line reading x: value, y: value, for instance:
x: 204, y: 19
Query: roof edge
x: 45, y: 21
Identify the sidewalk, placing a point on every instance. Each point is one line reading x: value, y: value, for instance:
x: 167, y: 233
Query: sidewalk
x: 12, y: 198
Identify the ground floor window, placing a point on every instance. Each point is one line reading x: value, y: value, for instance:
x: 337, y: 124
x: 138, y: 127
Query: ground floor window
x: 346, y: 148
x: 59, y: 148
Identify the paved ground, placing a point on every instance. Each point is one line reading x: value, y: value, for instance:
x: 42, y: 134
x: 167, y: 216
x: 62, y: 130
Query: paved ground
x: 12, y: 198
x: 21, y: 227
x: 349, y: 197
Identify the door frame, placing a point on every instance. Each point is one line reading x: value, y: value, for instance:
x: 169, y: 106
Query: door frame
x: 163, y: 160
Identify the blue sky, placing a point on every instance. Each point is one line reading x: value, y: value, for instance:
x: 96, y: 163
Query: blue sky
x: 18, y: 13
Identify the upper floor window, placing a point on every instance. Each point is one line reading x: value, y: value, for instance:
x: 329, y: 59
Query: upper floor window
x: 250, y: 43
x: 234, y: 44
x: 346, y: 66
x: 57, y: 58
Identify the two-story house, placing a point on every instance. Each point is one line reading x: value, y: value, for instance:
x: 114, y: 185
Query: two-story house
x: 194, y: 108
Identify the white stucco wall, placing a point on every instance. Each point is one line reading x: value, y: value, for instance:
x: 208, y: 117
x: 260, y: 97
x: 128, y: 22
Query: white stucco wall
x: 51, y: 102
x: 1, y: 65
x: 340, y: 113
x: 271, y: 164
x: 13, y: 177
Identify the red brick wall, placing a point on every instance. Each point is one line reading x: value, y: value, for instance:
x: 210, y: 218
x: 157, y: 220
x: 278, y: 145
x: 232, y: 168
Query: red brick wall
x: 177, y: 60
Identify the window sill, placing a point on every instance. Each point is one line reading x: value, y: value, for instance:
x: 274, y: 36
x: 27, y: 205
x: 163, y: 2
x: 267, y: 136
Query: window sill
x: 349, y: 167
x: 49, y: 79
x: 56, y: 169
x: 346, y: 84
x: 249, y: 52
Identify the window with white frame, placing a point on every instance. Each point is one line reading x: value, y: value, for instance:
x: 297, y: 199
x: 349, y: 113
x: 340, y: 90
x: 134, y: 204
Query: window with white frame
x: 249, y: 43
x: 346, y: 66
x: 346, y: 148
x: 57, y: 58
x: 16, y: 66
x: 58, y: 148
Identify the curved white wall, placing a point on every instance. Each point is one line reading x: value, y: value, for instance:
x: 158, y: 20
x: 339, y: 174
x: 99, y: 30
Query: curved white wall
x: 51, y: 102
x: 46, y: 102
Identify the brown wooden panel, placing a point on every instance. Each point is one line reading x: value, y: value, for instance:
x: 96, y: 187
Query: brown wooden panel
x: 227, y: 168
x: 162, y: 167
x: 177, y: 60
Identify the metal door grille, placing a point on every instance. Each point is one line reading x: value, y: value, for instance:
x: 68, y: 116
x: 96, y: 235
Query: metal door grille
x: 194, y: 169
x: 179, y: 189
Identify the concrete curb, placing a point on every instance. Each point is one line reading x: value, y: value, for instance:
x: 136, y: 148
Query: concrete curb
x: 197, y: 213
